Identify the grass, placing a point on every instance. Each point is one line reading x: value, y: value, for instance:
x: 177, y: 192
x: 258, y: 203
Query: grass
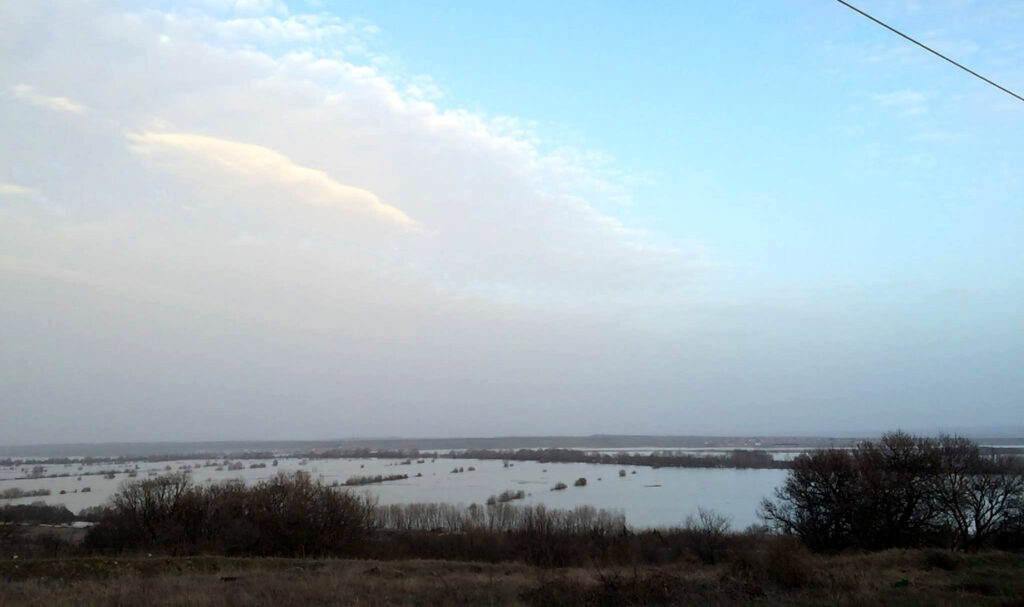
x: 895, y: 577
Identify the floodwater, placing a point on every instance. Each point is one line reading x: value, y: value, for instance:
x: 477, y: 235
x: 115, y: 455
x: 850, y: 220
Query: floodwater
x: 648, y: 497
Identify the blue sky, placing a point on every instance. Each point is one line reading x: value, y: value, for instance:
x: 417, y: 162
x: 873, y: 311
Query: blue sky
x: 425, y: 218
x: 794, y: 132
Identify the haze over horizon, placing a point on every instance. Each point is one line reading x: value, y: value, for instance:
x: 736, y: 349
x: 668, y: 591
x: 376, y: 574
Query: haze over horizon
x: 259, y: 219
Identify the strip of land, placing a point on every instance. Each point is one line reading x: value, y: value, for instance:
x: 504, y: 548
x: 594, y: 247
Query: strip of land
x: 895, y: 577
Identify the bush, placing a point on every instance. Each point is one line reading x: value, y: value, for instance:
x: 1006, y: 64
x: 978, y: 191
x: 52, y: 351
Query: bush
x: 580, y: 482
x: 287, y: 515
x: 506, y: 496
x: 369, y: 480
x: 708, y: 532
x: 559, y: 486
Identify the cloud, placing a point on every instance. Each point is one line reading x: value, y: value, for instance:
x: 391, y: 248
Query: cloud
x: 10, y: 189
x: 28, y: 93
x: 908, y: 102
x: 313, y: 149
x: 263, y: 167
x: 251, y: 217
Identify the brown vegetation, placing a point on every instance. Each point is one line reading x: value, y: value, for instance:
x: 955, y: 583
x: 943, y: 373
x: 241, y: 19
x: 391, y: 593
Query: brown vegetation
x: 289, y: 514
x: 780, y: 574
x: 356, y: 481
x: 506, y: 496
x: 17, y: 492
x: 902, y: 491
x: 737, y: 458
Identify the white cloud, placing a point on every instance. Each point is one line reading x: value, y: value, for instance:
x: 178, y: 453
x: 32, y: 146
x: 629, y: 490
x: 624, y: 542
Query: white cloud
x: 263, y: 167
x: 261, y: 112
x: 247, y: 206
x: 10, y: 189
x: 29, y: 93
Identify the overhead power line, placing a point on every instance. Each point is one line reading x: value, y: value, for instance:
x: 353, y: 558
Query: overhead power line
x: 929, y: 49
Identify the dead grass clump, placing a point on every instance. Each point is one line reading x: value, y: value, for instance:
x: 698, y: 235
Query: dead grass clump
x: 946, y: 560
x: 784, y: 563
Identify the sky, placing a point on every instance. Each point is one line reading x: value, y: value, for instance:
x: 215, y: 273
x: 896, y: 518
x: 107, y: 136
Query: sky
x: 259, y: 219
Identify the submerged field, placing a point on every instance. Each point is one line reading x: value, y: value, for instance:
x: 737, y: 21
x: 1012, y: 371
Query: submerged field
x: 647, y: 496
x: 895, y: 577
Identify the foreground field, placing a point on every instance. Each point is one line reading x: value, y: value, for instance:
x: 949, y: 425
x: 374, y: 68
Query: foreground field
x: 896, y: 577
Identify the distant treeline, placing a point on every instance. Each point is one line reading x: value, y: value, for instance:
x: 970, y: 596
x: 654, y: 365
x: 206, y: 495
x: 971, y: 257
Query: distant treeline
x: 37, y: 513
x: 366, y: 453
x: 17, y: 492
x: 210, y: 458
x: 737, y: 458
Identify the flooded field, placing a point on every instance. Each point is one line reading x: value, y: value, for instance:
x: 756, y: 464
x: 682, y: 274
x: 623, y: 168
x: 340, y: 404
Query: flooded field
x: 649, y: 497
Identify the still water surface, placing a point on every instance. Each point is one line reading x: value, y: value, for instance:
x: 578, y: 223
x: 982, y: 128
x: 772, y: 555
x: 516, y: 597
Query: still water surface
x: 649, y: 497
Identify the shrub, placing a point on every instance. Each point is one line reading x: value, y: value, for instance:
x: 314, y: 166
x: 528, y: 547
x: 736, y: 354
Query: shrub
x: 506, y: 496
x: 559, y: 486
x: 369, y: 480
x: 708, y: 532
x: 287, y: 515
x: 17, y: 492
x: 580, y: 482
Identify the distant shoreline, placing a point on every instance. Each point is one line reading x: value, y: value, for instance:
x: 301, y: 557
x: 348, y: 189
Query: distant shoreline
x: 605, y: 441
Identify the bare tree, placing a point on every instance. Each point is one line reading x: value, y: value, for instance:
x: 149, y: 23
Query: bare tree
x: 708, y: 531
x: 981, y: 496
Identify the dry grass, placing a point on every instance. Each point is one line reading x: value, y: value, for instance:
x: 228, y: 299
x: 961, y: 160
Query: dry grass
x: 218, y: 582
x: 774, y: 577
